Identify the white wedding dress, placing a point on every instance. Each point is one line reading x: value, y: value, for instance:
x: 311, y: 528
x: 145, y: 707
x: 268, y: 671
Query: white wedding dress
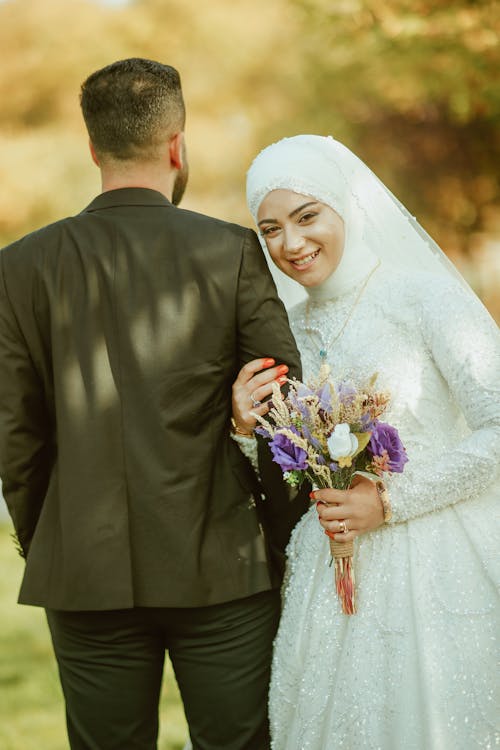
x: 415, y: 668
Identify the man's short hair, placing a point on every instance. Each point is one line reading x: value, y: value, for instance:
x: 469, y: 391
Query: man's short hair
x: 131, y: 107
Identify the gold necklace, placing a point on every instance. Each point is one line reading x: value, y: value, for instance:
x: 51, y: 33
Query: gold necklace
x: 324, y: 349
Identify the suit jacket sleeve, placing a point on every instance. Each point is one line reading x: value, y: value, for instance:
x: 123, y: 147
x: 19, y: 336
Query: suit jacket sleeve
x: 25, y: 461
x: 264, y: 332
x: 263, y: 327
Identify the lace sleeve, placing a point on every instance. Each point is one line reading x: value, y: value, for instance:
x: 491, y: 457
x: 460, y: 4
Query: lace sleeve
x: 464, y: 344
x: 248, y: 446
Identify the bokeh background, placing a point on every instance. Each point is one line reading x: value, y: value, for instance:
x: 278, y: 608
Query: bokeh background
x: 410, y: 85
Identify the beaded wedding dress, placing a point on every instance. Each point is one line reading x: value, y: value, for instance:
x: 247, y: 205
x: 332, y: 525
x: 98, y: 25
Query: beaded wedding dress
x: 415, y: 668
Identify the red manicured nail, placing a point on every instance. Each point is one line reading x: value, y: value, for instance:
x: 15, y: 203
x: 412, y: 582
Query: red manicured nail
x: 281, y: 380
x: 331, y: 534
x: 282, y: 369
x: 268, y: 362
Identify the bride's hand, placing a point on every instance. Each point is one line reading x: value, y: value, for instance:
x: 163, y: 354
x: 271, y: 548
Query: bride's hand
x: 359, y: 508
x: 251, y: 387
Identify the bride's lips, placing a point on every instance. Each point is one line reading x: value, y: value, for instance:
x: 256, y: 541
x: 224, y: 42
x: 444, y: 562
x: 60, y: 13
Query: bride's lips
x: 301, y: 264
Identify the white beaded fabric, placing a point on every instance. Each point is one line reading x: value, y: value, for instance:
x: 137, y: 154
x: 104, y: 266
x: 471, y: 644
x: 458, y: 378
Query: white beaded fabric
x: 415, y: 668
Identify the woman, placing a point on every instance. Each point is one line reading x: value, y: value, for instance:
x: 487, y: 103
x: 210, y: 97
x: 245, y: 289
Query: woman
x: 414, y: 668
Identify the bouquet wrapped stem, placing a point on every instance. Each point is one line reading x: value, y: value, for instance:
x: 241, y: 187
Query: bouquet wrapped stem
x: 342, y: 557
x: 342, y: 553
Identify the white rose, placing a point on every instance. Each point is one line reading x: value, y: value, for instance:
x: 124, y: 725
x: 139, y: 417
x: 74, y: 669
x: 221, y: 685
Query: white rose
x: 342, y: 443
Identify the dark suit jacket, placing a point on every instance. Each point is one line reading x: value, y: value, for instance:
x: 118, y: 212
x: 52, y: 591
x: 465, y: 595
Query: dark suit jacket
x: 121, y: 331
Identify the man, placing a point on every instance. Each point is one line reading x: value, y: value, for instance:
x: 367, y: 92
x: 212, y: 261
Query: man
x: 121, y: 332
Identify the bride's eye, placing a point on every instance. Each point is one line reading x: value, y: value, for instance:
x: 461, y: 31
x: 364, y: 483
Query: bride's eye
x: 304, y: 218
x: 269, y: 231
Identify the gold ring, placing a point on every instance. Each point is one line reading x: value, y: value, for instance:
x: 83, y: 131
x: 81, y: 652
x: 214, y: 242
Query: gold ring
x: 343, y: 527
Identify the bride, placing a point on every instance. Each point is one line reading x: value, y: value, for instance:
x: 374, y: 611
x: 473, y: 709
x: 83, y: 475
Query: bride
x: 415, y: 667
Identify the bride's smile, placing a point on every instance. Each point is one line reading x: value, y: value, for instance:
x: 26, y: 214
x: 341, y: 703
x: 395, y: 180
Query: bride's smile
x: 306, y: 261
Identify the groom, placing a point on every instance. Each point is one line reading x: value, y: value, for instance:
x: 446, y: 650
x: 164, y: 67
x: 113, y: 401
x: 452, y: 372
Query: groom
x: 121, y: 332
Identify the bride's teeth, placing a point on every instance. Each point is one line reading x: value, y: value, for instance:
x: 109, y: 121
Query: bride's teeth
x: 303, y: 261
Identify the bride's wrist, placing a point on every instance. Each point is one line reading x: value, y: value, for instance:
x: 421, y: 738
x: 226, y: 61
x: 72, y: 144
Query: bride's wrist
x: 236, y: 430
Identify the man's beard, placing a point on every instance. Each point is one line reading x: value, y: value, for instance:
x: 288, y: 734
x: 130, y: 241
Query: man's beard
x: 181, y: 179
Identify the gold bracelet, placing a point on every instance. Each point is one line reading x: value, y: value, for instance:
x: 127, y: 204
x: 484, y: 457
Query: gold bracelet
x: 237, y: 431
x: 384, y: 499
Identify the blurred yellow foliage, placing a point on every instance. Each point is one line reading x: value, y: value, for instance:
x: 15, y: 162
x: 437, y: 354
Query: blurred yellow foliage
x: 409, y: 85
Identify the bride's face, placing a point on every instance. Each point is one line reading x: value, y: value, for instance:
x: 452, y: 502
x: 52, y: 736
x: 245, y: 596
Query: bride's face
x: 305, y: 238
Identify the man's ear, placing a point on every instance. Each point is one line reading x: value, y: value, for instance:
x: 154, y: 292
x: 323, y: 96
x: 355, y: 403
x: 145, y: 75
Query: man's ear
x: 93, y: 154
x: 175, y: 148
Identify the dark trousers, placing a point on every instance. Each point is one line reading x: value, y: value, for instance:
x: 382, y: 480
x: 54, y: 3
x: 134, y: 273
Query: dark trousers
x: 111, y: 666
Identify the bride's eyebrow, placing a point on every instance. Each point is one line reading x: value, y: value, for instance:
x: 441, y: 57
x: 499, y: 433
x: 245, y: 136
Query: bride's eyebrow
x: 290, y: 215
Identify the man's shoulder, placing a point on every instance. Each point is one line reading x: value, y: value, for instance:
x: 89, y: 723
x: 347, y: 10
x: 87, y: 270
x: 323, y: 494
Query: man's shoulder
x: 39, y: 237
x: 189, y: 222
x: 205, y: 222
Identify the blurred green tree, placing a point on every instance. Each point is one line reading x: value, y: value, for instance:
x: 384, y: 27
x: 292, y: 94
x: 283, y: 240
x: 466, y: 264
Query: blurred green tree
x: 409, y: 85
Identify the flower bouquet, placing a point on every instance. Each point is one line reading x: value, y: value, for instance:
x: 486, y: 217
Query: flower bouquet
x: 328, y: 432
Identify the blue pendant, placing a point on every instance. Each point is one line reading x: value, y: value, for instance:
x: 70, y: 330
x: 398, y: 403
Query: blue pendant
x: 323, y: 353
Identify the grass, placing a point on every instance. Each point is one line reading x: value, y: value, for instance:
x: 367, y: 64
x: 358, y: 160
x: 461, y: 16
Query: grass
x: 32, y: 707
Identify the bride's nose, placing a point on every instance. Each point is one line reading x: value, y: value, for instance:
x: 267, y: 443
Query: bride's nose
x: 293, y: 241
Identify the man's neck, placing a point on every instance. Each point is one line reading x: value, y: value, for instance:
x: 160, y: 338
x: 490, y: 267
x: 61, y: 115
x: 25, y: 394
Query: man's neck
x: 139, y: 177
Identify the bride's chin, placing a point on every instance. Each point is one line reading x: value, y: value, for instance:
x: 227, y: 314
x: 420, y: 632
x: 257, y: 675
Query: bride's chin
x: 304, y: 278
x: 309, y: 283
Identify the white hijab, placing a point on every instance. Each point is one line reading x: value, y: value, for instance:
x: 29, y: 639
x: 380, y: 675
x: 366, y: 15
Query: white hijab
x: 377, y: 226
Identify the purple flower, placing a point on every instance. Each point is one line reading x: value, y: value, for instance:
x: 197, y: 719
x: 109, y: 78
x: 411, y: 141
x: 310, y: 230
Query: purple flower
x: 286, y: 454
x: 346, y: 392
x: 367, y: 423
x: 303, y: 390
x: 386, y: 438
x: 323, y: 395
x: 296, y: 404
x: 325, y: 398
x: 306, y: 433
x: 262, y: 431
